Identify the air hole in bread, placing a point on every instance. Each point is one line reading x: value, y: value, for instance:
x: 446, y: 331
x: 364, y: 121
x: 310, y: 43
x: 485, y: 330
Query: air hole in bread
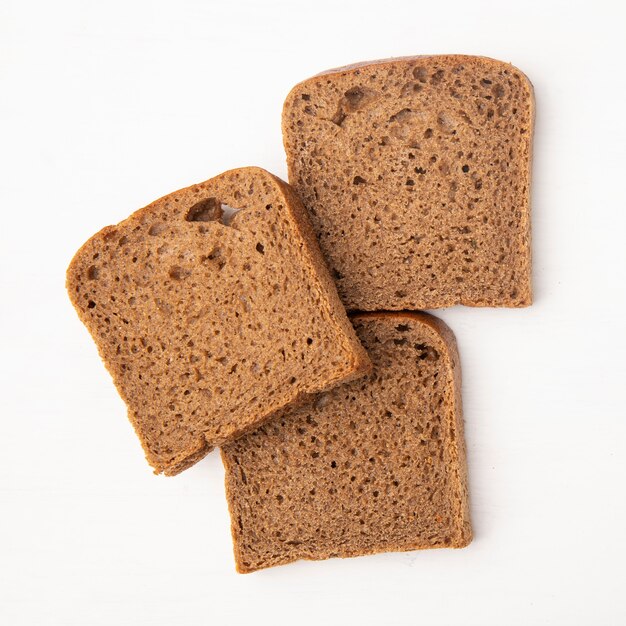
x: 179, y: 273
x: 420, y: 74
x: 446, y: 122
x: 400, y: 116
x: 498, y: 91
x: 207, y: 210
x: 354, y: 96
x: 157, y: 229
x: 437, y: 77
x: 93, y: 272
x: 410, y: 88
x: 338, y: 118
x: 211, y: 210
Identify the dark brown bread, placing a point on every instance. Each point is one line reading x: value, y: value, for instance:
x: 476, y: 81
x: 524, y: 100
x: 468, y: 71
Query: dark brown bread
x: 416, y: 173
x: 210, y: 320
x: 371, y: 466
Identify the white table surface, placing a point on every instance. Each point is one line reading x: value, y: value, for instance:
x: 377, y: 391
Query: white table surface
x: 105, y: 106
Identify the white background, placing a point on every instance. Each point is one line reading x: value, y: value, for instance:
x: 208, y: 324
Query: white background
x: 105, y: 106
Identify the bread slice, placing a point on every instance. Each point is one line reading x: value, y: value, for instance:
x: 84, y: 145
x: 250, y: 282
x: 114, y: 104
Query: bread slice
x: 371, y: 466
x: 416, y: 173
x: 212, y: 308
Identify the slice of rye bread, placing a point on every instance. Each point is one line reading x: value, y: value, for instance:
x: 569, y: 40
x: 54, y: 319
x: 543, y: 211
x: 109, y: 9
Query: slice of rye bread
x: 416, y: 173
x: 210, y: 318
x: 371, y: 466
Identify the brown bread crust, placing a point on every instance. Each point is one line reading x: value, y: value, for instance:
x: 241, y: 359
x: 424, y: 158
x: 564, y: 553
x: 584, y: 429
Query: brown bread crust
x: 416, y: 172
x: 210, y: 322
x: 371, y: 466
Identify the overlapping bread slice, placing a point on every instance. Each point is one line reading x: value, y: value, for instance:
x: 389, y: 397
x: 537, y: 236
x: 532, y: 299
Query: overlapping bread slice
x: 374, y: 465
x: 416, y: 173
x: 212, y: 308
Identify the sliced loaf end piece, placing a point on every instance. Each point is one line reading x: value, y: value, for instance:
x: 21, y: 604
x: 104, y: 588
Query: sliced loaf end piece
x: 212, y: 309
x: 375, y: 465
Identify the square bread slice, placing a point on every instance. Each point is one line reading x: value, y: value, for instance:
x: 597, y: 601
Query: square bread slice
x: 371, y: 466
x: 416, y: 174
x: 212, y: 308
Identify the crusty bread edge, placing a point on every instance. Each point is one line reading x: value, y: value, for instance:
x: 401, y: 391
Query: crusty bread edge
x: 229, y: 489
x: 525, y: 243
x: 456, y: 451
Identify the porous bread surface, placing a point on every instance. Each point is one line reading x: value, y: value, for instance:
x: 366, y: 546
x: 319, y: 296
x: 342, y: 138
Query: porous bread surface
x: 373, y: 465
x: 416, y: 174
x: 212, y: 308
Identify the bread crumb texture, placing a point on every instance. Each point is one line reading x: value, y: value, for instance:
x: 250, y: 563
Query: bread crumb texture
x: 212, y: 309
x: 416, y: 174
x: 370, y: 466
